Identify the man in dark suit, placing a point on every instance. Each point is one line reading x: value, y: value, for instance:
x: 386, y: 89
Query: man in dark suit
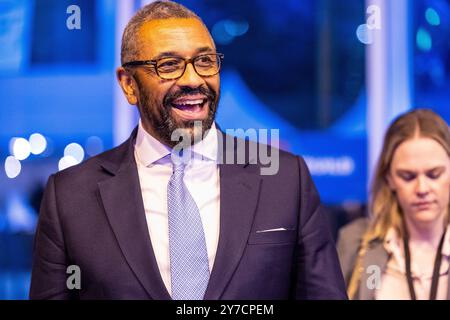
x: 137, y: 224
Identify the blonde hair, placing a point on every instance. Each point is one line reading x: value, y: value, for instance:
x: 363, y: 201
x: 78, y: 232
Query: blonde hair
x: 385, y: 211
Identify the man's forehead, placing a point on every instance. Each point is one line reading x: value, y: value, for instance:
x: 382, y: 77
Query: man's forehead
x: 174, y: 33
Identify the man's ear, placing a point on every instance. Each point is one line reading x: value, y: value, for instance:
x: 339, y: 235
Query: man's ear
x: 128, y: 85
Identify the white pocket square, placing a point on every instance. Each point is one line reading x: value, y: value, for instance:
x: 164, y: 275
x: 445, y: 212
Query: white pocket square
x: 271, y: 230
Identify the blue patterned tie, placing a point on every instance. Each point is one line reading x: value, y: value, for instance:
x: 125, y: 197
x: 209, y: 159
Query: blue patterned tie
x: 188, y: 256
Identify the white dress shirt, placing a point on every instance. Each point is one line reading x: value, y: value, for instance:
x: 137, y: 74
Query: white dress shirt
x: 202, y: 180
x: 393, y: 280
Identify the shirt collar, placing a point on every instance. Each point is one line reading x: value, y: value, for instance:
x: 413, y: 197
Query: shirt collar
x: 207, y: 147
x: 392, y: 242
x: 149, y: 150
x: 393, y: 245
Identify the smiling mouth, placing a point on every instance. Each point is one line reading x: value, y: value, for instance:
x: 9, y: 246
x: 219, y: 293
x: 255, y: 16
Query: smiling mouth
x: 191, y: 108
x: 190, y: 105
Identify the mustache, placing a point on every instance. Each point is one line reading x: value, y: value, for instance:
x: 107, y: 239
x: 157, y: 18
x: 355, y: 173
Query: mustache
x: 186, y: 91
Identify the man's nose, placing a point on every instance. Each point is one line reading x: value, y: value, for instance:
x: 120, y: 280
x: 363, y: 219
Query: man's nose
x: 190, y: 78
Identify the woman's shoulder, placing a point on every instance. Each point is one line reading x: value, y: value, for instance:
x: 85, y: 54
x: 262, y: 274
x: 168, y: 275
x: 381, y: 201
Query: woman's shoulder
x: 348, y: 244
x: 355, y: 229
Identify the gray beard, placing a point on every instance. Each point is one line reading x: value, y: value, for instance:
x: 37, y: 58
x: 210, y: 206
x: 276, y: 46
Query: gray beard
x: 167, y: 125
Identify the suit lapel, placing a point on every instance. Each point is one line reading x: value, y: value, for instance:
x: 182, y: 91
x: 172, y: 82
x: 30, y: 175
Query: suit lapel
x: 239, y: 192
x: 122, y: 200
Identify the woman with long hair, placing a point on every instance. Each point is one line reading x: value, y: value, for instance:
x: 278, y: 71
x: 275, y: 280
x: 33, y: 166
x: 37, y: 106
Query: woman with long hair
x: 402, y: 250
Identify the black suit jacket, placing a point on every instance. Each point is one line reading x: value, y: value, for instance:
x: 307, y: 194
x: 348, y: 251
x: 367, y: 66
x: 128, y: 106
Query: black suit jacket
x: 92, y: 216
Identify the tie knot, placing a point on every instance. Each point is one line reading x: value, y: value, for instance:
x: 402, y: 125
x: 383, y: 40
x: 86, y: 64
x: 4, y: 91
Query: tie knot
x: 178, y: 166
x: 178, y: 163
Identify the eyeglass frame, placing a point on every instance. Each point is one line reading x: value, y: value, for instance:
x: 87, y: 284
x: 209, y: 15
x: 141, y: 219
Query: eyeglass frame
x: 154, y: 63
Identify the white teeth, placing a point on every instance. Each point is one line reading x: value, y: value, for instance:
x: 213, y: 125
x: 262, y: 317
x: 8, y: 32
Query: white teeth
x: 190, y: 102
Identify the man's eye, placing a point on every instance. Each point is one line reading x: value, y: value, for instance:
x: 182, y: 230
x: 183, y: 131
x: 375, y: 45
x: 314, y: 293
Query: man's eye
x: 205, y: 60
x: 169, y: 65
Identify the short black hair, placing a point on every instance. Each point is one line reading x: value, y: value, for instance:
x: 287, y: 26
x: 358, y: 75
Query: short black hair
x: 153, y: 11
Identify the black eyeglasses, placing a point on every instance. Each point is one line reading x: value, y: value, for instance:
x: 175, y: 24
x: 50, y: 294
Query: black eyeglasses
x: 171, y: 68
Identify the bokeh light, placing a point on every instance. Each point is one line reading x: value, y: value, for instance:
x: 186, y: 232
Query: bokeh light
x: 236, y: 28
x: 364, y: 34
x: 224, y: 31
x: 423, y: 40
x: 66, y: 162
x: 75, y: 151
x: 432, y: 17
x: 38, y: 143
x: 94, y: 145
x: 12, y: 167
x: 20, y: 148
